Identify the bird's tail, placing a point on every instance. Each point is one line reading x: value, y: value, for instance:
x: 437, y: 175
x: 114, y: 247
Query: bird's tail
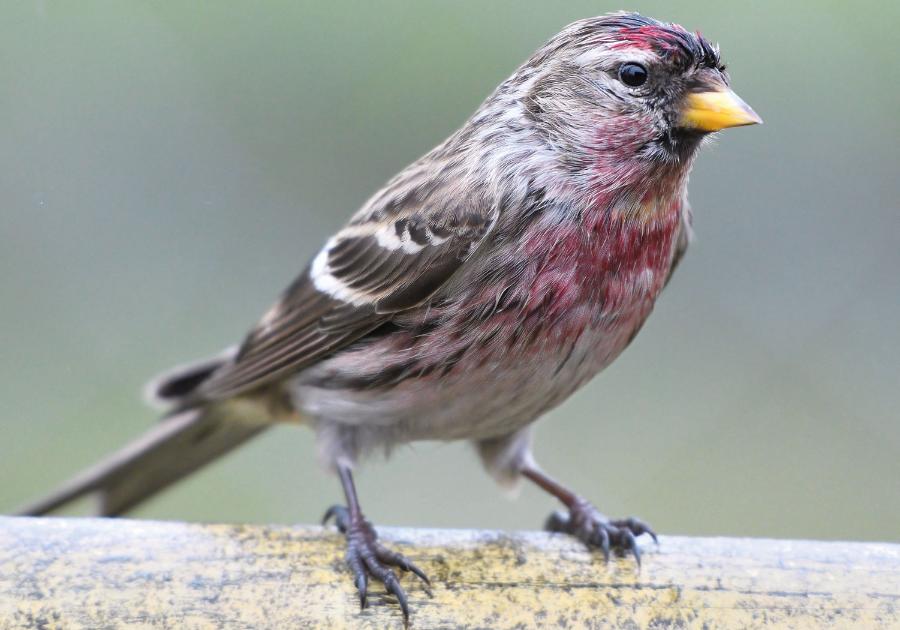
x: 180, y: 444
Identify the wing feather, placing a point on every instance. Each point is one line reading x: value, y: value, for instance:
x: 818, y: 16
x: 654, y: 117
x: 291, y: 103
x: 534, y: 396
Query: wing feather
x: 388, y: 261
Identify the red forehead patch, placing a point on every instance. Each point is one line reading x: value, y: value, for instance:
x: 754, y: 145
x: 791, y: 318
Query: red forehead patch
x: 669, y: 40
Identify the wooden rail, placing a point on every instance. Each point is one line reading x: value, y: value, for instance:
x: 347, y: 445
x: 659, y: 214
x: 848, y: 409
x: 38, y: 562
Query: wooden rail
x: 96, y: 573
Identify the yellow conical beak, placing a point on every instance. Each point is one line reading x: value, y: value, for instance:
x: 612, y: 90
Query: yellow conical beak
x: 715, y: 110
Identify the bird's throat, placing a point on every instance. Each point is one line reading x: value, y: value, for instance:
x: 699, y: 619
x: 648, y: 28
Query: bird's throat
x: 652, y: 201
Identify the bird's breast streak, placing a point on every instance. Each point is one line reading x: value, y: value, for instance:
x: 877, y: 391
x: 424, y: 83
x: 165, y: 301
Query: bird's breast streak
x: 530, y: 339
x: 611, y: 262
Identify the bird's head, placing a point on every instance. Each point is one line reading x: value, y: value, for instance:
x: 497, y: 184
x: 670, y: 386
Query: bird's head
x: 617, y: 96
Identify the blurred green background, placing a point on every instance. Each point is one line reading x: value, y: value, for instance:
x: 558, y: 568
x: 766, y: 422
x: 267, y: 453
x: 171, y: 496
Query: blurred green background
x: 168, y: 167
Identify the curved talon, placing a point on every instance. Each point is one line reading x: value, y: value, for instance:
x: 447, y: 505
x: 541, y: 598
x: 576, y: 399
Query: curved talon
x: 637, y: 527
x: 604, y: 543
x: 341, y: 516
x: 399, y: 560
x: 391, y: 583
x: 419, y: 573
x: 367, y: 557
x: 362, y: 585
x: 630, y: 544
x: 590, y: 526
x: 361, y: 580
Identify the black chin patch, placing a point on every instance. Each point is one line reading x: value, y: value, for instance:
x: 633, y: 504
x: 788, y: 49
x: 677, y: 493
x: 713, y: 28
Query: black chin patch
x: 680, y: 143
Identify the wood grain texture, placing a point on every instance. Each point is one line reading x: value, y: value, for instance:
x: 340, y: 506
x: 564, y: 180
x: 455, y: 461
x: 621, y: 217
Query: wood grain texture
x: 95, y: 573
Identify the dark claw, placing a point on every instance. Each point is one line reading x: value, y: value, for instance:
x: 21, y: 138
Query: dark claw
x: 362, y: 585
x: 637, y: 527
x: 399, y: 560
x: 588, y: 525
x: 604, y: 543
x: 393, y: 586
x: 367, y: 557
x: 419, y: 573
x: 390, y: 581
x: 630, y: 544
x: 329, y: 514
x: 341, y: 516
x: 360, y: 578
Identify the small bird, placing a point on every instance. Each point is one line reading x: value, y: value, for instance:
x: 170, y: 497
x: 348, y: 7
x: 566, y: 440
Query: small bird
x: 476, y: 290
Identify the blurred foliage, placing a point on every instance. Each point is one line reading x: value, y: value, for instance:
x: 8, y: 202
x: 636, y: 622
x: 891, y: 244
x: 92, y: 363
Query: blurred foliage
x: 168, y: 167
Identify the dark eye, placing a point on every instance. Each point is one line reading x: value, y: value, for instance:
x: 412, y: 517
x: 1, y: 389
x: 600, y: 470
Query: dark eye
x: 632, y: 74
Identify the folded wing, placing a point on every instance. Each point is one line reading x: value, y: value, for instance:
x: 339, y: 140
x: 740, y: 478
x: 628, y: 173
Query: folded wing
x: 377, y: 266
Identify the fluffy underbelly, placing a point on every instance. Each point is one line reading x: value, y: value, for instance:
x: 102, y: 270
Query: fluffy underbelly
x: 491, y: 390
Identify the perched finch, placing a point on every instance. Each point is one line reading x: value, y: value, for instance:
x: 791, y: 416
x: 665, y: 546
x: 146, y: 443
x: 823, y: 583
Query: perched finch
x: 476, y: 290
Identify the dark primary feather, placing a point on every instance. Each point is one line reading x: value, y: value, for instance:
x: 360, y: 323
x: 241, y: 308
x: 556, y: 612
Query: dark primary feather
x: 420, y: 249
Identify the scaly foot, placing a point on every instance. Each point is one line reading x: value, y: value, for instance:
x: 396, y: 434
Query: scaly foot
x: 591, y: 527
x: 368, y: 557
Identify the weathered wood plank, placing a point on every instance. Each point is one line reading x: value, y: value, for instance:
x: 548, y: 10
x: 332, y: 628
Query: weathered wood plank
x: 94, y: 573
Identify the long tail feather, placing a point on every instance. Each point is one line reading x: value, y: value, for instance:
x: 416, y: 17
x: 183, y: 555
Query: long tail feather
x: 174, y: 448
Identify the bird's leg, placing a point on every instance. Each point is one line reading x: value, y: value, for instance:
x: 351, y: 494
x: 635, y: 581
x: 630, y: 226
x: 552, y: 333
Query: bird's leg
x: 365, y: 555
x: 585, y: 522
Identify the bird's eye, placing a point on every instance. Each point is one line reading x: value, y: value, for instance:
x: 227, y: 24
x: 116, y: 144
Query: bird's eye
x: 632, y: 74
